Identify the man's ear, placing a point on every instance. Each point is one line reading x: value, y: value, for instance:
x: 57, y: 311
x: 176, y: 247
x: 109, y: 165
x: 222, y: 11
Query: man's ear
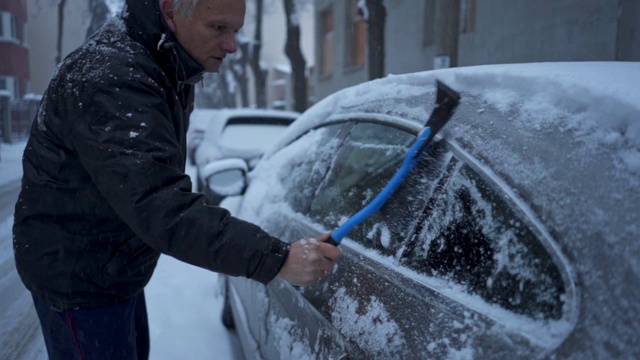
x: 166, y: 7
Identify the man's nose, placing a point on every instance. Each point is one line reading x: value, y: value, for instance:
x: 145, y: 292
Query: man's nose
x: 230, y: 44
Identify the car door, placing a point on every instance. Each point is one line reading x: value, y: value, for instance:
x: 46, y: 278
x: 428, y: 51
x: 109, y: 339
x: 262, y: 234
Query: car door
x: 285, y: 186
x: 298, y: 322
x: 451, y: 265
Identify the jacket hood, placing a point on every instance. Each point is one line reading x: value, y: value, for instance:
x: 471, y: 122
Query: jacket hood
x: 145, y: 24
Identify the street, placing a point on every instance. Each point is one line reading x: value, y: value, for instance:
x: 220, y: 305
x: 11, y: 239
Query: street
x: 19, y: 330
x: 182, y: 300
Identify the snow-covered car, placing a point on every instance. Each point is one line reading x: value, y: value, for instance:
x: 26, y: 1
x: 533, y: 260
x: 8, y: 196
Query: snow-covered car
x: 236, y: 133
x: 516, y: 236
x: 198, y: 123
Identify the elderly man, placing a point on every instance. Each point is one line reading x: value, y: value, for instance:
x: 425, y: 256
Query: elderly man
x: 104, y: 190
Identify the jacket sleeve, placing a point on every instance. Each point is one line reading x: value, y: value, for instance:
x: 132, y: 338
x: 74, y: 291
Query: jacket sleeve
x: 126, y: 139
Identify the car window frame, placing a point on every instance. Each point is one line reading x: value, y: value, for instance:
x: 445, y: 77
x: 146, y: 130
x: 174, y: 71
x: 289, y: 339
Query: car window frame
x: 524, y: 213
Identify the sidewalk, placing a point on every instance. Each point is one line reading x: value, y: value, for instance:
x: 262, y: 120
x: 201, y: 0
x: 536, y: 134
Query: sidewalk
x: 183, y: 301
x: 11, y: 162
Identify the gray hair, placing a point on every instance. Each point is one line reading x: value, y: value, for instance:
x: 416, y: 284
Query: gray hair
x: 184, y: 7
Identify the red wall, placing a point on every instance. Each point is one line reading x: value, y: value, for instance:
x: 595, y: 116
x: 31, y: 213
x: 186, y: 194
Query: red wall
x: 17, y: 7
x: 14, y: 57
x: 14, y: 60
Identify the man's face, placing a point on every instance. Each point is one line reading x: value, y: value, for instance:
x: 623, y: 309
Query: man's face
x: 209, y: 35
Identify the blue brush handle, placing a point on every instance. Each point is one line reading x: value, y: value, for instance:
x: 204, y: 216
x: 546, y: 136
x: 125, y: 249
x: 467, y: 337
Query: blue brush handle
x: 410, y: 160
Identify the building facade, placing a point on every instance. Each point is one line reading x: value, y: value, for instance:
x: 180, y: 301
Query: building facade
x: 428, y: 34
x: 43, y: 36
x: 14, y: 48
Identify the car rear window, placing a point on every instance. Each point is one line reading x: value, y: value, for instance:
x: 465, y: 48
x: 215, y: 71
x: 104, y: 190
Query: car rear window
x: 253, y: 133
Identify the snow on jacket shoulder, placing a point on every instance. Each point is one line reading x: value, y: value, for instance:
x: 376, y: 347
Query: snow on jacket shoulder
x: 104, y: 189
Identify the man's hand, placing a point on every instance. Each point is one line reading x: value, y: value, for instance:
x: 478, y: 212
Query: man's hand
x: 309, y: 260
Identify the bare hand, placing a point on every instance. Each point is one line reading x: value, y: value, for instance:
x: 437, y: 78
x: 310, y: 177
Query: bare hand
x: 309, y: 260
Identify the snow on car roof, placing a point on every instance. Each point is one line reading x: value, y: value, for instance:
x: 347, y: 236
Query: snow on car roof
x: 598, y: 100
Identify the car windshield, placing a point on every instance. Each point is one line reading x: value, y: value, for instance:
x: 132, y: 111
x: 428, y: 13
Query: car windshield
x: 253, y: 133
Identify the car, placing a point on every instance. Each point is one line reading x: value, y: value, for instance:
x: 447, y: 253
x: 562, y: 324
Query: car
x: 516, y: 236
x: 241, y: 133
x: 198, y: 122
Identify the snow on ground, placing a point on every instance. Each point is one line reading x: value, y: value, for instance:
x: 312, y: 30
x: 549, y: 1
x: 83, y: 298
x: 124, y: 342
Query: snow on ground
x: 11, y: 162
x: 183, y: 301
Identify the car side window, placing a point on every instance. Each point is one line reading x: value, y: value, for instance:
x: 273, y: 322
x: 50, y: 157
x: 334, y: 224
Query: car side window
x: 307, y: 161
x: 471, y: 236
x: 369, y: 158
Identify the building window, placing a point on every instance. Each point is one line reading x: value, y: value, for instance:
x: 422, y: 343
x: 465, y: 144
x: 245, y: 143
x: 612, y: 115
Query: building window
x: 429, y: 30
x: 10, y: 84
x: 467, y: 16
x: 356, y: 34
x: 326, y: 33
x: 7, y: 26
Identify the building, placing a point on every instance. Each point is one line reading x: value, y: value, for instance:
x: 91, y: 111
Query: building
x: 14, y: 48
x: 43, y: 36
x: 427, y: 34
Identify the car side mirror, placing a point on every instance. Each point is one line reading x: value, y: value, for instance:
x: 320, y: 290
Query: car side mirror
x: 226, y: 177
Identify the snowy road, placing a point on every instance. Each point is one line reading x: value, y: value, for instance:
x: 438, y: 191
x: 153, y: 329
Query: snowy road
x: 183, y: 301
x: 19, y: 330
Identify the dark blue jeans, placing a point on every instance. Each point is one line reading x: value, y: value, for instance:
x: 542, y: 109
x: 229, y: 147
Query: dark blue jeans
x: 116, y: 331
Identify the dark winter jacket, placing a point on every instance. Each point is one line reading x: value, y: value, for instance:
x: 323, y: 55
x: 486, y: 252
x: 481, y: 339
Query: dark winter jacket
x: 104, y: 190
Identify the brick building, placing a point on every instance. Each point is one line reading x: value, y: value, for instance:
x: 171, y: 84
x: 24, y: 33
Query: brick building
x: 14, y: 49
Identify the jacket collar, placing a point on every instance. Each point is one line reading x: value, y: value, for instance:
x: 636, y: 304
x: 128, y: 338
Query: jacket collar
x: 145, y: 24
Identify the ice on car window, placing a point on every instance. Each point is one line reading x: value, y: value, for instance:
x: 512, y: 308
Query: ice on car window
x: 295, y: 167
x: 370, y: 156
x: 470, y: 235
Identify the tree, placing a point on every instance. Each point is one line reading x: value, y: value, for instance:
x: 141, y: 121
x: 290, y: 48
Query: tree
x: 99, y: 12
x: 58, y: 57
x: 222, y: 89
x: 294, y: 53
x: 254, y: 47
x: 375, y: 15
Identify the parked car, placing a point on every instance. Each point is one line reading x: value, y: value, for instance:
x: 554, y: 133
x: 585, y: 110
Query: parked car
x: 516, y: 236
x: 237, y: 133
x: 198, y: 123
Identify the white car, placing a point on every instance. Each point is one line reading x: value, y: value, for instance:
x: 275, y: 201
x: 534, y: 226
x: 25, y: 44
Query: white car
x: 241, y: 133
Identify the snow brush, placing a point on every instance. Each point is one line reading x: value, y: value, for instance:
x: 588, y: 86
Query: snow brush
x: 447, y: 101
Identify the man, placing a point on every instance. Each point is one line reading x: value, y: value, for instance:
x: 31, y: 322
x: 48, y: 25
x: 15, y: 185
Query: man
x: 104, y: 190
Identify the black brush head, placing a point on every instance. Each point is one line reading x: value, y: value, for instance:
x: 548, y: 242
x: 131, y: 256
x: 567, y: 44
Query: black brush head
x: 447, y: 100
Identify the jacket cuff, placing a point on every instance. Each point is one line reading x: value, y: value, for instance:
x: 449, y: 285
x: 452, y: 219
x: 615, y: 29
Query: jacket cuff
x: 272, y: 261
